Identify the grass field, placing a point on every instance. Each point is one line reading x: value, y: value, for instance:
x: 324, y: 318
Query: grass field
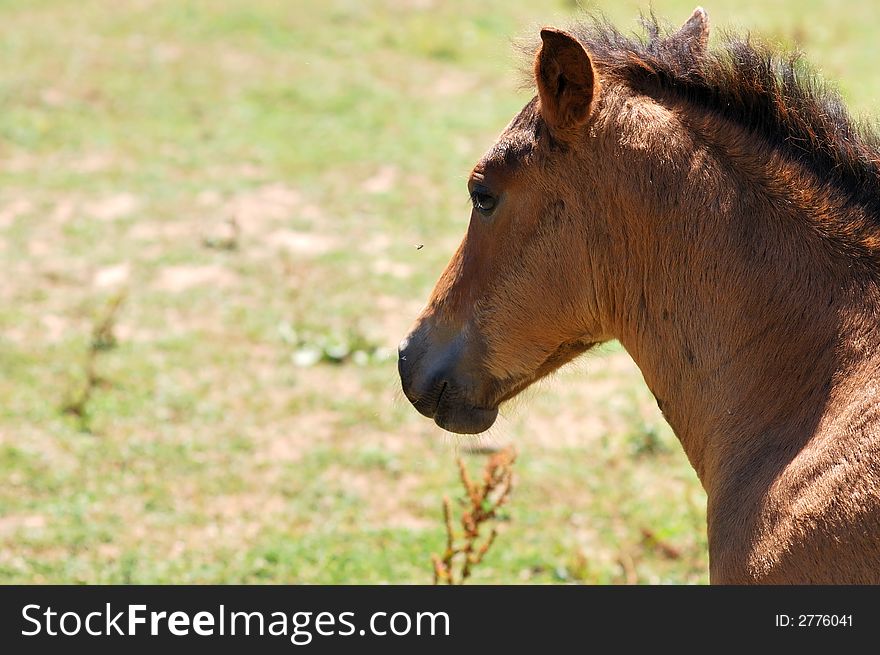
x: 248, y: 180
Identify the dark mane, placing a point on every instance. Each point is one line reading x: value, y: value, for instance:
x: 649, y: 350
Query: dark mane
x: 773, y: 94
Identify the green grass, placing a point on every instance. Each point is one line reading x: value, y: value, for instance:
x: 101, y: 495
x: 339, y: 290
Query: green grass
x: 337, y: 136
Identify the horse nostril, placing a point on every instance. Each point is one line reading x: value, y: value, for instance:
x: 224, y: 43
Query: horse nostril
x: 406, y: 365
x: 426, y: 369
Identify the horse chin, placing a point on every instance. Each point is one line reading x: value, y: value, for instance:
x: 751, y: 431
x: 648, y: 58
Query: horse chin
x: 557, y: 359
x: 563, y: 355
x: 463, y: 419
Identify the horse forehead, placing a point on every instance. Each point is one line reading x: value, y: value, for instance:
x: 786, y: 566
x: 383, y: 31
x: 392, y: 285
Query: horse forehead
x: 517, y: 141
x: 512, y: 147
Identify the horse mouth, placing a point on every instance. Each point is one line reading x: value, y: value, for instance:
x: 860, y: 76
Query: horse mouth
x: 451, y: 408
x: 462, y: 418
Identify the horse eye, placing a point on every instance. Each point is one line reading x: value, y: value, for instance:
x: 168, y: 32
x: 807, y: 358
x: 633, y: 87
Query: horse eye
x: 483, y: 202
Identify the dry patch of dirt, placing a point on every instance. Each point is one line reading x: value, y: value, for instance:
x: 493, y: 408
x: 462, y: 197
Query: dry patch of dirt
x: 63, y: 211
x: 94, y: 162
x: 384, y: 495
x: 339, y: 381
x: 453, y: 83
x: 175, y: 279
x: 12, y: 210
x: 301, y: 243
x: 419, y: 5
x: 109, y: 277
x: 86, y: 163
x: 398, y: 270
x: 112, y: 207
x: 286, y: 441
x: 382, y: 181
x: 261, y: 217
x: 267, y: 204
x: 377, y: 242
x: 14, y: 522
x: 238, y: 62
x: 231, y: 507
x: 230, y: 520
x: 164, y: 230
x: 51, y: 453
x: 55, y: 327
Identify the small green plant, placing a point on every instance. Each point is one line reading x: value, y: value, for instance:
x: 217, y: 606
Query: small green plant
x: 103, y: 338
x: 104, y: 329
x: 228, y: 239
x: 313, y: 347
x: 481, y: 505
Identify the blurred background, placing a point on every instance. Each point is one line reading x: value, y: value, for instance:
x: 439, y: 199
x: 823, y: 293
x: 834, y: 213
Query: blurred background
x: 209, y: 220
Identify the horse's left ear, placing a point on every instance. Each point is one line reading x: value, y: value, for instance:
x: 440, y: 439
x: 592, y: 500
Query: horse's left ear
x: 694, y: 34
x: 566, y: 80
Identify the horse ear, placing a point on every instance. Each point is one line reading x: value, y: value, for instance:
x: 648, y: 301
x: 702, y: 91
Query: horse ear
x: 694, y: 34
x: 566, y: 80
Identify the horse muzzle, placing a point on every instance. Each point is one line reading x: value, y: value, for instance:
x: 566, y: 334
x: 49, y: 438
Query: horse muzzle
x: 440, y: 379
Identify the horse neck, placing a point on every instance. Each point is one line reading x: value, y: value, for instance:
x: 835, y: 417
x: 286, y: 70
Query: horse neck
x: 744, y: 320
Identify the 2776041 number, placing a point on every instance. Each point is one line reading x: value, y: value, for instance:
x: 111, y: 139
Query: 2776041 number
x: 814, y: 620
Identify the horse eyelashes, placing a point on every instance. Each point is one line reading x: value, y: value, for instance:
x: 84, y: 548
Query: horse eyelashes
x: 483, y: 202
